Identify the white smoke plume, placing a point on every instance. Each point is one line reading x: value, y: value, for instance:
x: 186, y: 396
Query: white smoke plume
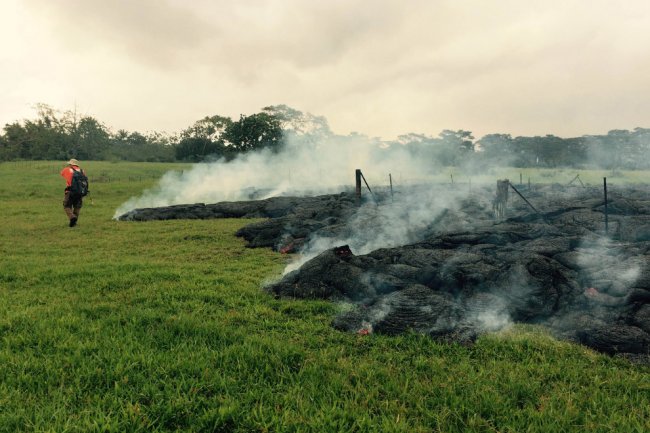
x: 606, y: 268
x: 395, y: 222
x: 301, y: 167
x: 310, y: 166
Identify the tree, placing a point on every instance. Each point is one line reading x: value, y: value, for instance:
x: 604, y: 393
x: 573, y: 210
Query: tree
x: 13, y: 142
x: 254, y: 132
x: 197, y: 149
x: 552, y: 149
x: 413, y: 139
x: 204, y: 140
x: 495, y: 145
x: 134, y: 146
x: 4, y: 149
x: 298, y: 124
x: 461, y: 138
x: 454, y: 146
x: 93, y: 139
x: 641, y: 140
x: 35, y: 139
x: 210, y: 127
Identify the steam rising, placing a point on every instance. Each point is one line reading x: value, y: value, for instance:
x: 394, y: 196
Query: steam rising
x: 305, y: 167
x: 310, y: 167
x: 393, y: 223
x: 607, y: 268
x: 301, y: 167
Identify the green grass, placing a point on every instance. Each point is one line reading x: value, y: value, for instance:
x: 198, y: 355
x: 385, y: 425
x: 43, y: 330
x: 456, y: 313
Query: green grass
x: 162, y: 326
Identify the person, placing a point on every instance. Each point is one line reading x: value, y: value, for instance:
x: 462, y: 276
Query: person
x: 71, y: 203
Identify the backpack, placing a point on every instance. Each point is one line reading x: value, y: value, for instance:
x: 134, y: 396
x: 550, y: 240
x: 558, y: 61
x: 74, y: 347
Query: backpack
x: 79, y: 184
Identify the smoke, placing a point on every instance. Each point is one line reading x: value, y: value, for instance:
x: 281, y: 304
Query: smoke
x: 488, y: 312
x: 493, y: 320
x: 404, y: 218
x: 301, y: 167
x: 305, y: 166
x: 607, y: 268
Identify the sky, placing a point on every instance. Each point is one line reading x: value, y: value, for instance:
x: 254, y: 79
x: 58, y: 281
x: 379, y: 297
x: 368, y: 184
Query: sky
x: 376, y: 67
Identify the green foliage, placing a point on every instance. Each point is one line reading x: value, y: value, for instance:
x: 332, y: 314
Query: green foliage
x: 203, y: 140
x: 163, y: 327
x: 60, y: 136
x: 133, y: 146
x: 450, y: 148
x: 196, y: 149
x: 255, y: 132
x: 298, y: 124
x: 619, y: 149
x: 55, y: 135
x: 210, y: 127
x: 218, y: 137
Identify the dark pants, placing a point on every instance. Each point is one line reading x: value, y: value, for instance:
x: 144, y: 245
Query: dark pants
x: 72, y: 204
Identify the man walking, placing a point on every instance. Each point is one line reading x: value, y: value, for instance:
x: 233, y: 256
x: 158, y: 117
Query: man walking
x: 73, y: 200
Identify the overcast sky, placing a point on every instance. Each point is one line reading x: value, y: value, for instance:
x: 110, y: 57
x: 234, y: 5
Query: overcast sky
x: 377, y: 67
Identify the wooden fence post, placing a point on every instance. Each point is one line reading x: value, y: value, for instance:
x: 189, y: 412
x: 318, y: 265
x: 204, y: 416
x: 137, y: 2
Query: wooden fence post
x: 606, y: 213
x: 357, y: 178
x: 501, y: 200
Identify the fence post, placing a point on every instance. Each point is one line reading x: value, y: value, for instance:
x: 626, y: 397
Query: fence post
x: 606, y: 214
x: 357, y: 178
x: 501, y: 199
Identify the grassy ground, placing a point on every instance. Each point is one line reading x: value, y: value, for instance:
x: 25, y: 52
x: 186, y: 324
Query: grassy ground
x: 162, y: 326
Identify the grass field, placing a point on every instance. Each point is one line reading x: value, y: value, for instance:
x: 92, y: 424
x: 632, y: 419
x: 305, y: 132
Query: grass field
x: 162, y: 326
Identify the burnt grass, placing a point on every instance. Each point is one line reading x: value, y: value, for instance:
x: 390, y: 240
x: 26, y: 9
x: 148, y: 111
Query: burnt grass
x: 560, y: 265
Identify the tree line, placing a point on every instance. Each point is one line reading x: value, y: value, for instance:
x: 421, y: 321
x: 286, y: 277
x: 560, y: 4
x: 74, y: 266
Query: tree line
x: 59, y: 136
x: 618, y: 149
x: 55, y: 135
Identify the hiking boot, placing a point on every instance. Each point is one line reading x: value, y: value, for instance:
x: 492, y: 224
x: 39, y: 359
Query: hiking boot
x: 73, y: 221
